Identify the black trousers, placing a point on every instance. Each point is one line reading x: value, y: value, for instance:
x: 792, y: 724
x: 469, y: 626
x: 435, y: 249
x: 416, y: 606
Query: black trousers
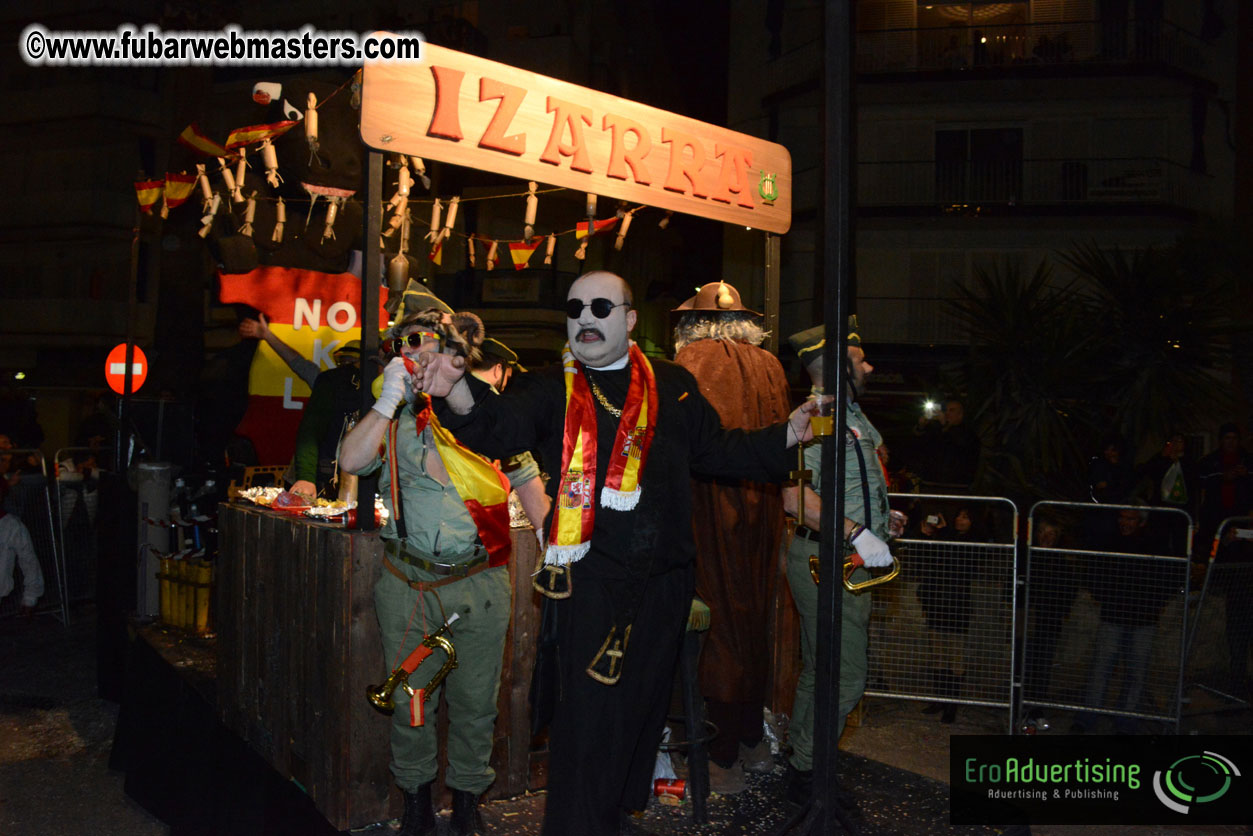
x: 603, y: 738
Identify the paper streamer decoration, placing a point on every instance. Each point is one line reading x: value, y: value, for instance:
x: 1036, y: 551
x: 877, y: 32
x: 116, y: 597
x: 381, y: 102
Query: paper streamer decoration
x: 280, y: 221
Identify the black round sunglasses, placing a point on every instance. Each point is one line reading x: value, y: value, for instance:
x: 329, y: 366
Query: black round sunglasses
x: 601, y: 308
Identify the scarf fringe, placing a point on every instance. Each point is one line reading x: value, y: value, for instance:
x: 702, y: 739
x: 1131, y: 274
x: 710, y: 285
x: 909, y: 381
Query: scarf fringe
x: 565, y: 555
x: 619, y: 500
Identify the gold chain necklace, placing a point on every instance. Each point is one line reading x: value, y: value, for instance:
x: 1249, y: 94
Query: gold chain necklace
x: 602, y: 400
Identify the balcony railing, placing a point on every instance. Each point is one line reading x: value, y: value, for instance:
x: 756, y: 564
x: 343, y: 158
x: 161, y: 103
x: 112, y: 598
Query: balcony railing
x: 971, y: 48
x: 1132, y: 181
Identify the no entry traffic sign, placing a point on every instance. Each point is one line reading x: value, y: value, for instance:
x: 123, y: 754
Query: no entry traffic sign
x: 115, y: 368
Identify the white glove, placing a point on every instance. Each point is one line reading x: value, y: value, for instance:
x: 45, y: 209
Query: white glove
x: 396, y: 388
x: 874, y: 552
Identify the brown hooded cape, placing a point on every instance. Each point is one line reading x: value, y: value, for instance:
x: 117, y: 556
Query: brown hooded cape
x: 737, y: 525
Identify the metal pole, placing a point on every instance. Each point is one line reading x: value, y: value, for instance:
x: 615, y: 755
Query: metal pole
x: 369, y: 315
x: 837, y: 259
x: 773, y: 248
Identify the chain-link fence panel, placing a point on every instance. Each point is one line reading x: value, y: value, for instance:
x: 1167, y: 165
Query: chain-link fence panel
x: 943, y: 630
x: 1222, y: 627
x: 29, y: 502
x: 1105, y: 611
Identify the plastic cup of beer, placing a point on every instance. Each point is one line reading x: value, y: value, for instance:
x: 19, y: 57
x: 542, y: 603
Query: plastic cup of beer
x: 822, y: 422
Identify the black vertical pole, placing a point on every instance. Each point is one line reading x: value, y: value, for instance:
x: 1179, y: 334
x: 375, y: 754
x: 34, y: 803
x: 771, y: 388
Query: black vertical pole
x: 370, y: 279
x: 826, y: 817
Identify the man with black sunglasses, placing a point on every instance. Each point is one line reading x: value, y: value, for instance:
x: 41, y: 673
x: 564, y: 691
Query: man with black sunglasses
x: 623, y: 434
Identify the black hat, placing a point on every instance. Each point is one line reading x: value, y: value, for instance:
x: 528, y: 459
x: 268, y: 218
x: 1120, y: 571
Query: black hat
x: 493, y: 347
x: 806, y: 342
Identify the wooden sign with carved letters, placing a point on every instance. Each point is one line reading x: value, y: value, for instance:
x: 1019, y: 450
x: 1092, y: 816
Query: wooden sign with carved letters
x: 477, y: 113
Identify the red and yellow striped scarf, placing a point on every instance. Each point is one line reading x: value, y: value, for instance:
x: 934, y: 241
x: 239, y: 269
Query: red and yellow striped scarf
x: 479, y: 483
x: 570, y: 533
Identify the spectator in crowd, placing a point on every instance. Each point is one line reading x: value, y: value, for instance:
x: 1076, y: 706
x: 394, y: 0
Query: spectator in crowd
x: 1226, y: 481
x: 1131, y: 592
x: 14, y: 466
x: 944, y: 594
x: 18, y: 419
x: 1167, y: 480
x: 1111, y: 477
x: 1052, y: 581
x: 498, y: 364
x: 16, y: 549
x: 1231, y: 581
x: 332, y: 406
x: 259, y: 329
x: 948, y: 448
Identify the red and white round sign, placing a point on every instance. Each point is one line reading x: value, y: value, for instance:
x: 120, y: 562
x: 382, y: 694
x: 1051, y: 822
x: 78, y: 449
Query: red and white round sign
x: 115, y: 368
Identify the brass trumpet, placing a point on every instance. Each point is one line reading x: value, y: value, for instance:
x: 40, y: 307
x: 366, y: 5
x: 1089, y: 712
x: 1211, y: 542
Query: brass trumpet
x: 851, y: 564
x: 380, y: 696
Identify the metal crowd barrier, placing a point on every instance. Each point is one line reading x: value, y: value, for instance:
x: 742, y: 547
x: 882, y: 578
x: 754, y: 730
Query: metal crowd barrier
x: 1222, y: 627
x: 30, y: 500
x: 1104, y: 629
x: 943, y: 630
x: 76, y: 500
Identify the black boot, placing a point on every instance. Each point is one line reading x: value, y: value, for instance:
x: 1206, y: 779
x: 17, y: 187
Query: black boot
x: 800, y: 785
x: 466, y: 820
x: 419, y: 818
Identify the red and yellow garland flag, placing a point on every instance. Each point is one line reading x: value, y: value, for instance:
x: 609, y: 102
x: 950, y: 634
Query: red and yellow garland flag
x: 312, y: 312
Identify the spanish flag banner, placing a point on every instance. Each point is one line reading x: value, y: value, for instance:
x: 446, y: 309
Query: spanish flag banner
x: 255, y: 133
x: 178, y: 187
x: 198, y: 142
x: 521, y: 252
x: 313, y: 313
x: 148, y: 192
x: 580, y: 230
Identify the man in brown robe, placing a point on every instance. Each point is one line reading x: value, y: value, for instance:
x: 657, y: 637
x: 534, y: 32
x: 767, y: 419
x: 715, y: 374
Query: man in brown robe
x: 737, y: 527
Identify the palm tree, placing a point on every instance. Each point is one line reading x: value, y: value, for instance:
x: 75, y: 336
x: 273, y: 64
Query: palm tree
x: 1162, y: 325
x: 1029, y: 378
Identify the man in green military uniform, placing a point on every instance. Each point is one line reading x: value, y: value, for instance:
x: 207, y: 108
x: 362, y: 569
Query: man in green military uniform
x: 865, y: 531
x: 446, y: 548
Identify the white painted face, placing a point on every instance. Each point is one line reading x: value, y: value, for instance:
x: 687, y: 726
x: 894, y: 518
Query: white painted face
x: 594, y: 341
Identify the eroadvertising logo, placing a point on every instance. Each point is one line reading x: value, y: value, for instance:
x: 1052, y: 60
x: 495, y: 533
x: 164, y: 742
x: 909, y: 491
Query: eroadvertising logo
x: 1209, y: 772
x: 1150, y: 779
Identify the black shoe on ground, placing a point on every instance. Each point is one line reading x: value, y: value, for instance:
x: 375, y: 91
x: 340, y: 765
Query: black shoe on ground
x: 933, y: 708
x: 949, y: 714
x: 466, y: 820
x: 419, y: 817
x: 800, y: 785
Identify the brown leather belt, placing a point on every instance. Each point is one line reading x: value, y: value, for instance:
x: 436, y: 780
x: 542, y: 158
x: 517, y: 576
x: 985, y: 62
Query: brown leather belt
x: 401, y: 551
x: 426, y: 586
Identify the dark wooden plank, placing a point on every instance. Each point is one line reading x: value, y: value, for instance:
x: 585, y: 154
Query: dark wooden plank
x: 227, y: 613
x: 249, y: 655
x: 330, y: 713
x: 514, y: 722
x: 369, y: 777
